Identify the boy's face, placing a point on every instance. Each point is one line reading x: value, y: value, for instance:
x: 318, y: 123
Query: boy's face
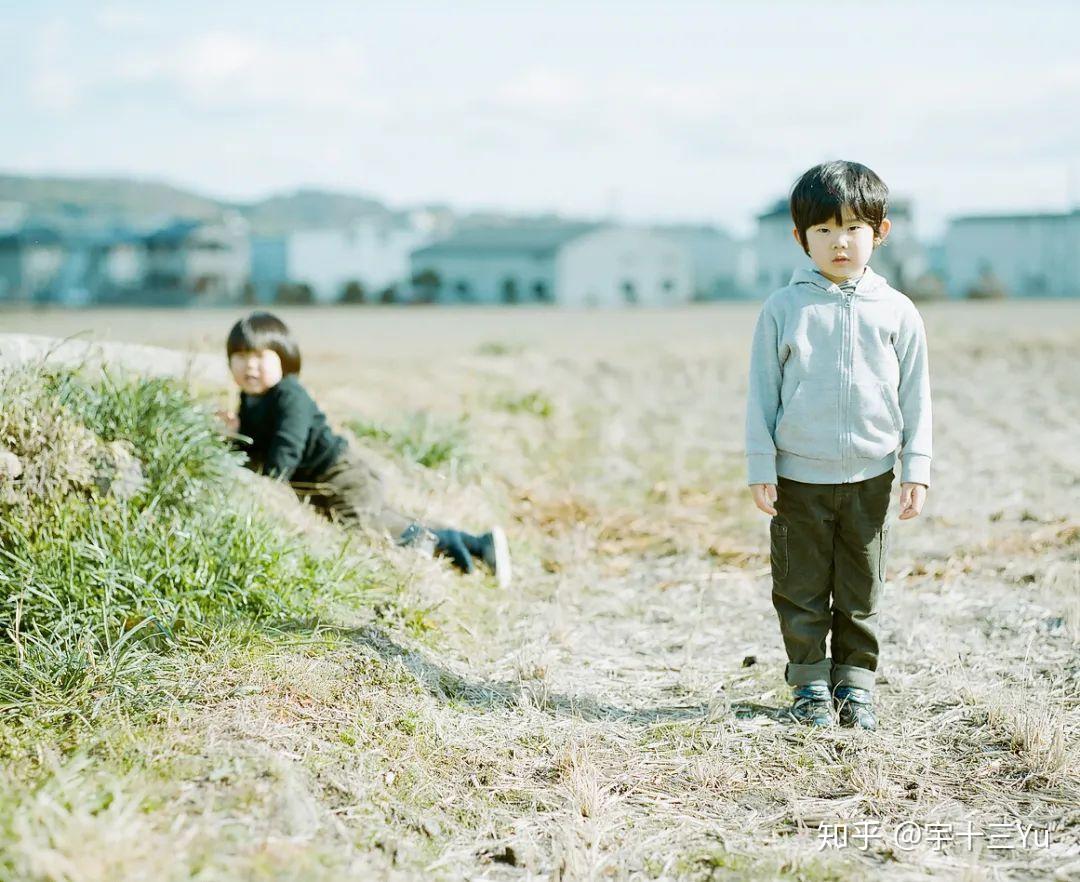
x: 256, y: 371
x: 842, y: 250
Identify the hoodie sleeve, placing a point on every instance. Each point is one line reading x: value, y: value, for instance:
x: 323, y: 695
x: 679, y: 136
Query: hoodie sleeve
x: 293, y: 421
x: 914, y: 393
x: 763, y: 401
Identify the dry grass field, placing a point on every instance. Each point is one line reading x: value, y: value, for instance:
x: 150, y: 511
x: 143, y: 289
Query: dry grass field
x: 617, y: 714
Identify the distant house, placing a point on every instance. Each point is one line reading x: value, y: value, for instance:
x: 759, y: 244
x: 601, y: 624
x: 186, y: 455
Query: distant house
x: 902, y: 259
x: 107, y: 268
x: 723, y: 267
x: 1027, y: 255
x: 119, y: 263
x: 30, y: 264
x: 571, y: 264
x: 371, y: 255
x: 197, y: 262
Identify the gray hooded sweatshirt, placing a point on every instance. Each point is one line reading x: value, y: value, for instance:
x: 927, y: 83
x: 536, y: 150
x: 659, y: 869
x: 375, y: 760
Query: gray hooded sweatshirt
x: 838, y: 380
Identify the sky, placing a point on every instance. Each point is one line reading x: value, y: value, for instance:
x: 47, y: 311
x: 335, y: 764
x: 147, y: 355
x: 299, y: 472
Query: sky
x: 641, y: 111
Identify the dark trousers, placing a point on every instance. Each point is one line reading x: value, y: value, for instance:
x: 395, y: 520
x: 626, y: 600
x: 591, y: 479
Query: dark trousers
x: 350, y: 492
x: 828, y: 551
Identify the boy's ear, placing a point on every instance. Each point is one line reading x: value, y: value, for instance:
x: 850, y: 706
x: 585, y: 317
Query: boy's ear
x: 798, y: 239
x: 883, y: 231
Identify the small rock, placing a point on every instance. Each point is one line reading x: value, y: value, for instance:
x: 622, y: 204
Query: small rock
x: 10, y: 464
x: 749, y: 661
x: 119, y: 472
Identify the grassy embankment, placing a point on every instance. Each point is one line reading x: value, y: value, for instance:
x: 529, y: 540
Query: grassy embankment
x: 140, y: 574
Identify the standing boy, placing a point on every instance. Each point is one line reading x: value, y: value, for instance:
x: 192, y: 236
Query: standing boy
x: 838, y: 380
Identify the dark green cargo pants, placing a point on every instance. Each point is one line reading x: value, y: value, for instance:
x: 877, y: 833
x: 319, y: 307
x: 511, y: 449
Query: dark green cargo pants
x: 828, y: 549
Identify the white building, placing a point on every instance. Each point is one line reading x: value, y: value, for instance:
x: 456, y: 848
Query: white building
x: 197, y: 262
x: 1026, y: 255
x: 723, y: 266
x: 572, y: 264
x: 30, y: 264
x: 901, y: 260
x: 372, y: 253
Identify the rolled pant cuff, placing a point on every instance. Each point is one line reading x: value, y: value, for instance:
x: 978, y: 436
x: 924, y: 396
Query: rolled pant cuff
x: 808, y: 675
x: 848, y: 675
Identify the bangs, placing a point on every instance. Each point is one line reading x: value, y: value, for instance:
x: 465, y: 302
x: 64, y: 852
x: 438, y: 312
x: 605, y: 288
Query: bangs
x: 263, y: 330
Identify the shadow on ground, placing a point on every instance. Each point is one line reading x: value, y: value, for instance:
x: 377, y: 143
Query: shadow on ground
x: 447, y: 685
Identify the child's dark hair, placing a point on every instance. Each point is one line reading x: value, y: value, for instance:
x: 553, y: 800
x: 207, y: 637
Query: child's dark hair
x: 263, y: 330
x: 823, y: 191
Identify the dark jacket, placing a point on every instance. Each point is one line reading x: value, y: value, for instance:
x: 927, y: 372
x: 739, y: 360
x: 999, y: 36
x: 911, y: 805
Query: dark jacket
x: 289, y: 435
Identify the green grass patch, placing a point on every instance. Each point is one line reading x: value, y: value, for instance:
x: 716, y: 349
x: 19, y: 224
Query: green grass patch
x: 533, y: 403
x: 127, y: 533
x: 422, y: 438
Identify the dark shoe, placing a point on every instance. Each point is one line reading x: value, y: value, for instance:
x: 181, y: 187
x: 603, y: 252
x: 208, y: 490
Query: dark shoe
x: 451, y: 543
x: 855, y: 708
x: 419, y: 537
x: 494, y: 551
x: 812, y: 705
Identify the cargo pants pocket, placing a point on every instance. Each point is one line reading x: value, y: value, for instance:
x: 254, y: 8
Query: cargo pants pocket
x: 778, y: 549
x: 883, y: 552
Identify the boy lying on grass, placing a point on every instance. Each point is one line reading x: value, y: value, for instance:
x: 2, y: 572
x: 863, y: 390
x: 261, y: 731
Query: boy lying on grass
x: 286, y: 437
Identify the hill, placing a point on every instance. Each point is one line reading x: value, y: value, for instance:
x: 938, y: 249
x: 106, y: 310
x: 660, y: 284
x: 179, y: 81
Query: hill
x: 86, y: 201
x: 74, y: 196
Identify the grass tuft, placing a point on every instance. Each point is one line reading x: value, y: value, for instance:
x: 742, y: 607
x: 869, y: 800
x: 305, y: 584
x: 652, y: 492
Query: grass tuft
x: 420, y: 437
x: 129, y: 529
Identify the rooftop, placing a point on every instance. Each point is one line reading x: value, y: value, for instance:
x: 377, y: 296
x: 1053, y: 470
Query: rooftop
x: 1031, y: 216
x: 532, y: 239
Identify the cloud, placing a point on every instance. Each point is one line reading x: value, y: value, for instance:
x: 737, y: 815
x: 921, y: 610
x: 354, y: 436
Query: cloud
x: 222, y: 70
x: 119, y: 17
x: 52, y: 82
x: 541, y: 87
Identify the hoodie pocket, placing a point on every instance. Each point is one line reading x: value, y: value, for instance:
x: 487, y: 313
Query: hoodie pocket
x: 809, y: 423
x: 874, y: 420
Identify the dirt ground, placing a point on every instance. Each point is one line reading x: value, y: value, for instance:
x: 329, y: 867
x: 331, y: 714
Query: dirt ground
x: 617, y: 713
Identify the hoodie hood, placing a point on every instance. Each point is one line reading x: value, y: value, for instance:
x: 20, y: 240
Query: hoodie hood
x: 867, y: 284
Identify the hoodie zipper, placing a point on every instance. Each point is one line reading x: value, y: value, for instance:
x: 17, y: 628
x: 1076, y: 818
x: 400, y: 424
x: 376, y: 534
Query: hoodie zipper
x: 847, y: 350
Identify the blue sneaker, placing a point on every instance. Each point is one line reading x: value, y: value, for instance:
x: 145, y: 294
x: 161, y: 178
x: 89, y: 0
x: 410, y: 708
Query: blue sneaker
x: 812, y: 705
x: 855, y: 708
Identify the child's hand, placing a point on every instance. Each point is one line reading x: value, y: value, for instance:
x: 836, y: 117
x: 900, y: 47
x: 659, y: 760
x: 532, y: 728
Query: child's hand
x: 230, y: 422
x: 764, y: 497
x: 912, y: 497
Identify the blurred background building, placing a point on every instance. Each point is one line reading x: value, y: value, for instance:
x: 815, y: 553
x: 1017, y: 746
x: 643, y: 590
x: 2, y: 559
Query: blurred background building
x: 81, y: 242
x: 1013, y: 255
x: 569, y: 264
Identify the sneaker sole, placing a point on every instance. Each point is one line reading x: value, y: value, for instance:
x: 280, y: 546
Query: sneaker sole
x: 504, y: 573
